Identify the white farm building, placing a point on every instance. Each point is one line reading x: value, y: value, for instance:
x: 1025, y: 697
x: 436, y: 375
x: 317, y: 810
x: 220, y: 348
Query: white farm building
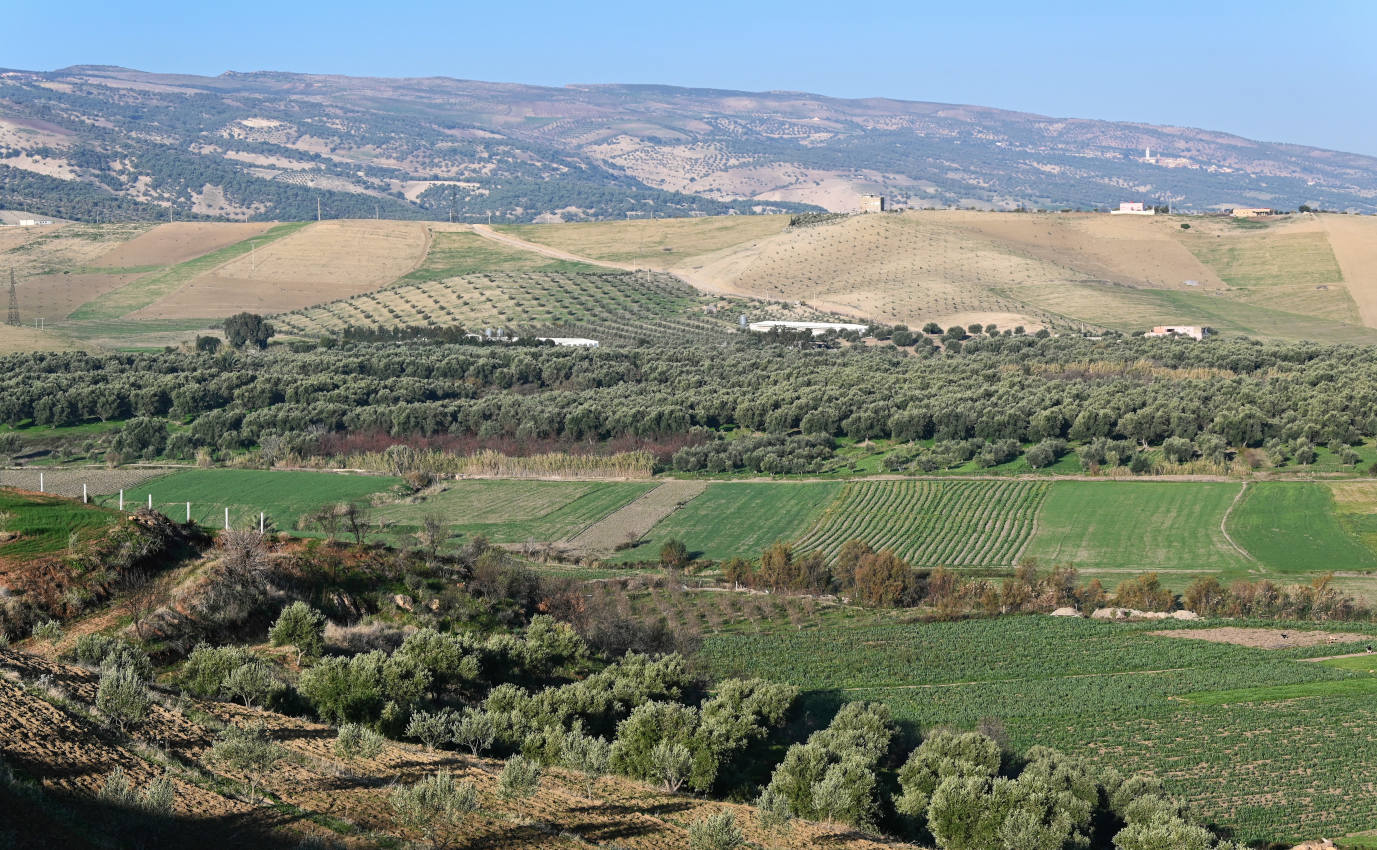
x: 575, y: 341
x: 818, y: 328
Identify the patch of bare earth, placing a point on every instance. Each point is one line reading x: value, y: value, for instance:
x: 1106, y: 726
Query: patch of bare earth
x: 1263, y: 638
x: 633, y: 521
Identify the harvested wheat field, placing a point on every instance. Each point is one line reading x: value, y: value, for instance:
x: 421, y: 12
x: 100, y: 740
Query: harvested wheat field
x: 56, y: 296
x: 1263, y: 638
x: 1354, y: 242
x: 177, y: 242
x: 63, y: 248
x: 49, y: 730
x: 21, y: 339
x: 319, y: 262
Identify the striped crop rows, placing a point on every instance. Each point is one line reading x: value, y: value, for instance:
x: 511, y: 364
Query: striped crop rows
x: 931, y: 523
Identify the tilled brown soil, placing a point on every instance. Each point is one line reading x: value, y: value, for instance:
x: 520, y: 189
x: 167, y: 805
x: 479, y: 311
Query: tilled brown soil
x: 1264, y: 638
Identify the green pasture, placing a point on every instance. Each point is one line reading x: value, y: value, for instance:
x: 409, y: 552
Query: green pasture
x: 1224, y: 726
x: 738, y: 519
x: 1291, y: 527
x: 283, y: 495
x: 1137, y: 526
x: 46, y: 524
x: 463, y: 253
x: 517, y: 511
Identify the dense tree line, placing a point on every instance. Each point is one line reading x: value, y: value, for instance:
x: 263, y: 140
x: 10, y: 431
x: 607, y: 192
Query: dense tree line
x: 1108, y: 399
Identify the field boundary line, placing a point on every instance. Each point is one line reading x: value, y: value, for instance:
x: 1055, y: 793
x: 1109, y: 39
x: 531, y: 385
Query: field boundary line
x: 425, y: 254
x: 1224, y: 520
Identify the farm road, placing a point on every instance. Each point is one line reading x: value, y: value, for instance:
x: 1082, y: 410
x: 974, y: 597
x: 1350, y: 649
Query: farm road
x: 487, y: 232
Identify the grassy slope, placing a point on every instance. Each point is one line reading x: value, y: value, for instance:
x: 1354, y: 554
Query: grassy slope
x: 728, y: 520
x: 516, y: 511
x: 1106, y: 690
x: 657, y: 241
x: 1137, y: 525
x: 46, y: 523
x: 1291, y: 527
x: 283, y: 495
x: 454, y: 254
x: 146, y: 290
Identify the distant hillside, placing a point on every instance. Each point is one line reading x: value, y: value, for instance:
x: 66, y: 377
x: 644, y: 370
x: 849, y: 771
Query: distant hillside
x: 98, y: 142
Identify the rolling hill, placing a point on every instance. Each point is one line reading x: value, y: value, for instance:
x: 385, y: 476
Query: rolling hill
x: 1301, y: 276
x: 100, y: 143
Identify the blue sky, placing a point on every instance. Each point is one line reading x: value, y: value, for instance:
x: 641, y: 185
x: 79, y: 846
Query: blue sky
x: 1296, y: 72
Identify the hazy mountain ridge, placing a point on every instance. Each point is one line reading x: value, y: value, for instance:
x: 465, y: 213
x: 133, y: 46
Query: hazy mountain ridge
x: 87, y: 141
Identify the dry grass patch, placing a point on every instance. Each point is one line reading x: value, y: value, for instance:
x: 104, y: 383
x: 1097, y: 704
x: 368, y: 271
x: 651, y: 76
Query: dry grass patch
x: 320, y: 262
x: 177, y: 242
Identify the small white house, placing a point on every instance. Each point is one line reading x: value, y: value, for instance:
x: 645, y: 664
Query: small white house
x: 818, y: 328
x: 1133, y: 208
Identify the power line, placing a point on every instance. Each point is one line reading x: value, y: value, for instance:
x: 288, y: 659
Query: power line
x: 13, y: 318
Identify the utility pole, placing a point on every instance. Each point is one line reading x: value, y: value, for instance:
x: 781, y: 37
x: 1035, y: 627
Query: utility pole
x: 13, y: 318
x: 317, y: 209
x: 376, y: 215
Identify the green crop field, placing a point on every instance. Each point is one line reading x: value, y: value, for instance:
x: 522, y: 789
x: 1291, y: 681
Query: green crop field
x: 1266, y: 259
x: 1291, y: 527
x: 284, y: 496
x: 931, y: 523
x: 728, y: 520
x: 1137, y: 525
x: 517, y: 511
x: 46, y: 524
x: 1287, y: 763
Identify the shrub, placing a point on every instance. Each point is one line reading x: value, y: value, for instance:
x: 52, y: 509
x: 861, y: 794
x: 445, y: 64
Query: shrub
x: 355, y: 741
x: 98, y: 650
x: 519, y: 779
x: 432, y: 728
x: 247, y: 750
x: 715, y: 832
x: 433, y: 805
x: 48, y: 630
x: 122, y: 697
x: 301, y: 626
x: 250, y: 683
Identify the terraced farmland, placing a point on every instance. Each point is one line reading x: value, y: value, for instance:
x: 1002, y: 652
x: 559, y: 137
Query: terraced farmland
x: 611, y: 307
x: 930, y: 523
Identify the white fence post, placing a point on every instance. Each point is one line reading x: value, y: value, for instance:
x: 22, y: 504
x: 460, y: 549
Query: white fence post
x: 188, y: 513
x: 40, y: 483
x: 121, y: 500
x: 260, y: 522
x: 227, y: 519
x: 83, y: 495
x: 150, y: 501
